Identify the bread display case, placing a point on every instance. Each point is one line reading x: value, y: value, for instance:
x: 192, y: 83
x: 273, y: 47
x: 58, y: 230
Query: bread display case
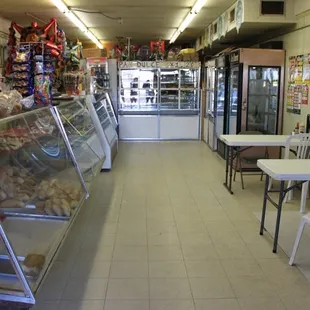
x: 161, y: 97
x: 105, y: 127
x: 47, y: 165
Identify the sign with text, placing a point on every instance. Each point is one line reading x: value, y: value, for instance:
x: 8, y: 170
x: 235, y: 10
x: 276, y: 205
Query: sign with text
x: 159, y: 64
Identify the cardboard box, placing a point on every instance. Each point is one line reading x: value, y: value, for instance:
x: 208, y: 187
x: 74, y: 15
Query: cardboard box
x: 94, y: 52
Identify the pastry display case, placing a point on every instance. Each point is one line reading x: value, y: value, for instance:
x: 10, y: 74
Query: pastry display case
x: 47, y: 164
x: 104, y: 121
x: 162, y: 97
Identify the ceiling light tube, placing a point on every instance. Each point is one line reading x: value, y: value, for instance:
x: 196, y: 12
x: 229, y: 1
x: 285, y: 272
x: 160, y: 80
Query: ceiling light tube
x: 188, y: 19
x: 76, y: 21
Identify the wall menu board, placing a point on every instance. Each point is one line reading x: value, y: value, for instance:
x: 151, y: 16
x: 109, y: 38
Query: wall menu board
x: 298, y: 83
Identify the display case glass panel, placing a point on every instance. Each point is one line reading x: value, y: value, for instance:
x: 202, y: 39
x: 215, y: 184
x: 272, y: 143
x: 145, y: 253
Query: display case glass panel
x: 138, y: 89
x: 36, y: 167
x: 263, y: 97
x: 169, y: 99
x: 82, y: 136
x: 189, y: 78
x: 169, y: 78
x: 189, y: 100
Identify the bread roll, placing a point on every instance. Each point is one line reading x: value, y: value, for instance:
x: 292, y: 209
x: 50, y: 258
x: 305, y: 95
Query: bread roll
x: 33, y: 264
x: 11, y: 203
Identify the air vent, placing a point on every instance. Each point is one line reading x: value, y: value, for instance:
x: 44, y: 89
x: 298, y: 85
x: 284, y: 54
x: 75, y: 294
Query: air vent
x: 272, y: 7
x: 232, y: 15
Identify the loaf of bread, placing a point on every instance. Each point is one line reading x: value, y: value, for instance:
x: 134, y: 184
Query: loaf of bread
x: 33, y: 264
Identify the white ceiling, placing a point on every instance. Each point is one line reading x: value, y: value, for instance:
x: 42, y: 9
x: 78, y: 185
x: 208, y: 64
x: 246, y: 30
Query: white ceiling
x: 143, y: 20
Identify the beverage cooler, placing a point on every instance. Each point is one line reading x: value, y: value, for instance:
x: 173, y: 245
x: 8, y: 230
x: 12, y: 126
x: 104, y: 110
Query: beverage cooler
x: 159, y: 100
x: 255, y: 96
x: 209, y: 80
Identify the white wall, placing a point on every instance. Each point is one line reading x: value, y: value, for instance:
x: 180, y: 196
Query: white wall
x: 296, y: 43
x: 4, y: 29
x: 301, y: 6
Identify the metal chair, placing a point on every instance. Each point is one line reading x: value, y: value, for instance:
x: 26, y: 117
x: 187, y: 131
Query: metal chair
x: 241, y: 158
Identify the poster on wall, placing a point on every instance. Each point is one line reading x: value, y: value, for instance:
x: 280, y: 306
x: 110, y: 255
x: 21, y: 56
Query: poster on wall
x: 289, y: 100
x: 300, y: 64
x: 292, y: 70
x: 297, y: 99
x: 306, y: 69
x: 304, y: 94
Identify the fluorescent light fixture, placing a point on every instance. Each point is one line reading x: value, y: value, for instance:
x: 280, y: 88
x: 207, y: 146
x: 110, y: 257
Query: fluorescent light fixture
x: 188, y: 19
x: 76, y: 21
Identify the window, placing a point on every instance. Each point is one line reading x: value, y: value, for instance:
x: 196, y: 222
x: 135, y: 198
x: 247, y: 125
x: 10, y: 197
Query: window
x: 272, y: 7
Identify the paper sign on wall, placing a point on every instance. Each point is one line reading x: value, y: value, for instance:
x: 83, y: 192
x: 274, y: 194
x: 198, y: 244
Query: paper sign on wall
x: 300, y: 64
x: 304, y: 94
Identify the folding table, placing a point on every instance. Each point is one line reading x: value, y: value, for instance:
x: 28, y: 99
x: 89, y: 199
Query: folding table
x: 281, y: 170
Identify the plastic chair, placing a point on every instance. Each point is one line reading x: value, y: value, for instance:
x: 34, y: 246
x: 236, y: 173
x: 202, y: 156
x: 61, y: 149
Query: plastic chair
x: 305, y: 221
x: 302, y: 152
x: 244, y: 159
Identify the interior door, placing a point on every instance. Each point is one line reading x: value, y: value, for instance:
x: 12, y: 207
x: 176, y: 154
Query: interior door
x: 263, y: 99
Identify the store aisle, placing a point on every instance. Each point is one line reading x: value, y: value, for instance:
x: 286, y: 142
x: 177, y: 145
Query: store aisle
x: 160, y: 233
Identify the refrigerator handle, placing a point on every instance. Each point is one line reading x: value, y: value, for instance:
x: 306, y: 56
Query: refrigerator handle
x: 244, y: 104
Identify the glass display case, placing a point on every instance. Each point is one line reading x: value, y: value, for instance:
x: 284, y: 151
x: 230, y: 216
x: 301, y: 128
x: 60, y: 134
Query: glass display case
x: 46, y: 166
x: 104, y: 122
x: 153, y: 94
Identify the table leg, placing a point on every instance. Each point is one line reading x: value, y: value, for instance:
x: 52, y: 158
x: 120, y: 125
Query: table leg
x: 262, y: 222
x: 276, y: 235
x: 229, y: 170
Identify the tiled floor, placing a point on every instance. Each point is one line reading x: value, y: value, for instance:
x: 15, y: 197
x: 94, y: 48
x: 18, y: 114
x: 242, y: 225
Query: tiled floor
x: 160, y: 232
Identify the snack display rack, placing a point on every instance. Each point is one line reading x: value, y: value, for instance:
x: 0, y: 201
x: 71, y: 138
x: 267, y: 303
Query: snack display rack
x: 49, y: 159
x: 159, y: 100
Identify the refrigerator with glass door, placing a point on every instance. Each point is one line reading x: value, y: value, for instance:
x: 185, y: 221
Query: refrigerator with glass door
x: 255, y: 98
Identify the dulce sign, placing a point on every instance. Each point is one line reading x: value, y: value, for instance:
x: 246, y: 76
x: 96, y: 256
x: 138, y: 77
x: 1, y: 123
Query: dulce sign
x: 160, y: 64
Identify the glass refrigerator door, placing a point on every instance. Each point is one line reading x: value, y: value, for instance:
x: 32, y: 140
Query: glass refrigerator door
x: 220, y: 101
x: 263, y: 97
x: 210, y: 92
x: 233, y: 101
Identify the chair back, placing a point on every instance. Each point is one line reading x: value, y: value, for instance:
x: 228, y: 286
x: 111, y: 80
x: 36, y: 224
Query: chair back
x: 303, y: 147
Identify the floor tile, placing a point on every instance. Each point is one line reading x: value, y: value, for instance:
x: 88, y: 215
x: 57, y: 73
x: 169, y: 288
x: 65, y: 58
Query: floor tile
x: 131, y: 239
x: 251, y: 286
x: 232, y: 250
x: 204, y: 268
x: 170, y: 289
x: 218, y: 287
x: 167, y: 269
x: 267, y: 303
x: 187, y: 226
x: 130, y: 253
x: 172, y: 305
x: 163, y: 239
x: 194, y: 239
x: 123, y: 270
x: 242, y: 267
x: 82, y: 305
x: 163, y: 253
x: 128, y: 289
x: 217, y: 304
x: 90, y: 269
x: 126, y: 305
x: 199, y: 252
x: 83, y: 290
x: 45, y: 305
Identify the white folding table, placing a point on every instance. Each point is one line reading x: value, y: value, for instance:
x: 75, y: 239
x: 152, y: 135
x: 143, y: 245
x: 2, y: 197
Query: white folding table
x: 281, y: 170
x: 233, y: 141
